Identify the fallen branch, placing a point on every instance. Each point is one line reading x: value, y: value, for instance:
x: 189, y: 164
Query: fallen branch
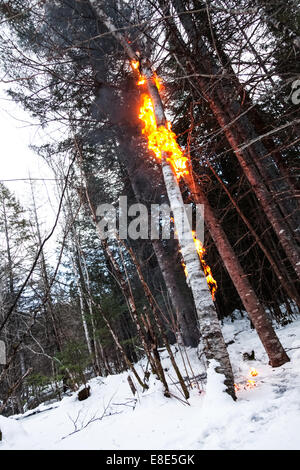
x: 92, y: 420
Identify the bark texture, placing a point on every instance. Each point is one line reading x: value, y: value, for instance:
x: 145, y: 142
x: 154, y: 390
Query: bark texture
x: 212, y: 341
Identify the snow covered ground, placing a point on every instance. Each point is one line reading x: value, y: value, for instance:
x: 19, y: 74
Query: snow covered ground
x: 266, y: 416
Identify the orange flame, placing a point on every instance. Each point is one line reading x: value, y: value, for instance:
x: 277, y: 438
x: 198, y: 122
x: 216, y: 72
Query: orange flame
x: 184, y: 268
x: 246, y: 386
x: 142, y: 80
x: 135, y: 64
x: 251, y: 383
x: 160, y: 139
x: 253, y: 372
x: 158, y: 82
x: 212, y: 283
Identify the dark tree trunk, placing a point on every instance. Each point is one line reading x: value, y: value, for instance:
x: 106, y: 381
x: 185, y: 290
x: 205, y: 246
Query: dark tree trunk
x: 179, y: 294
x: 276, y: 353
x: 141, y: 176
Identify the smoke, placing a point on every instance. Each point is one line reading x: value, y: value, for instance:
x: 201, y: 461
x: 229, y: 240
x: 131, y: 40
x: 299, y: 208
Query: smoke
x: 118, y: 107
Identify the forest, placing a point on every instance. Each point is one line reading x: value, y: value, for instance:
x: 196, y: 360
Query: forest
x: 171, y: 131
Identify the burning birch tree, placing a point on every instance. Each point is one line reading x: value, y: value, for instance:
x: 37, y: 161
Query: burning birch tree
x: 212, y: 341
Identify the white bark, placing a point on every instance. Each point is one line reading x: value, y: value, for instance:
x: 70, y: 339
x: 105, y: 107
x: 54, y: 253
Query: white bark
x: 82, y: 313
x: 212, y: 341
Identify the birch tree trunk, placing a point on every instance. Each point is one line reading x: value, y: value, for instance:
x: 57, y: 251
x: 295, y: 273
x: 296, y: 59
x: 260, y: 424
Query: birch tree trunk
x: 95, y: 342
x: 179, y: 296
x: 82, y: 309
x: 212, y: 340
x: 211, y: 335
x: 82, y: 281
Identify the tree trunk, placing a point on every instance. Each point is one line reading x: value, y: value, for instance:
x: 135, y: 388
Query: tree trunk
x: 179, y: 295
x: 212, y: 339
x: 276, y: 353
x: 49, y: 308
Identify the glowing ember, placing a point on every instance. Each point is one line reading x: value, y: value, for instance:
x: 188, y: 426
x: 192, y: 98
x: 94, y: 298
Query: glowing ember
x: 250, y: 383
x: 253, y: 372
x: 157, y: 82
x: 142, y: 80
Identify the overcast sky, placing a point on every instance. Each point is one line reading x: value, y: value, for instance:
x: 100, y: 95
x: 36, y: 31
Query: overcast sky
x: 18, y: 160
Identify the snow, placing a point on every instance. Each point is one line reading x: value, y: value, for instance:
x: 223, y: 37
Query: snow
x: 12, y: 431
x: 266, y: 416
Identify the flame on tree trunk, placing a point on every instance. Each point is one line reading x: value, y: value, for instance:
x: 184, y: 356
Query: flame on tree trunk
x: 211, y: 336
x: 212, y: 340
x: 276, y: 353
x: 162, y: 141
x: 212, y: 283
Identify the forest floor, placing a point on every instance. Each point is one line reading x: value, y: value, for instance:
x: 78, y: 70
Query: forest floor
x: 265, y: 416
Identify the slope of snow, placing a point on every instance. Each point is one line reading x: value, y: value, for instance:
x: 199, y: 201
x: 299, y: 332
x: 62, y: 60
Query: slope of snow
x: 266, y: 416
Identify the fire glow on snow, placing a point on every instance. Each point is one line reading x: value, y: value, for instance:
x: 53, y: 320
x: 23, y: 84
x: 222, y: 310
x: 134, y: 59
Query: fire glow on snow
x: 250, y: 382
